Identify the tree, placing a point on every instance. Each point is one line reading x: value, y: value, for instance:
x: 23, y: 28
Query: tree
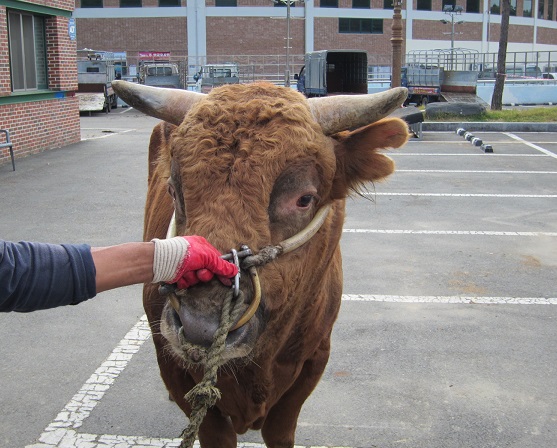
x: 497, y: 97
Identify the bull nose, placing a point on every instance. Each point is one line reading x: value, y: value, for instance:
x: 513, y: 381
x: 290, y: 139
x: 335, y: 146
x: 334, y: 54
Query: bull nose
x: 197, y: 329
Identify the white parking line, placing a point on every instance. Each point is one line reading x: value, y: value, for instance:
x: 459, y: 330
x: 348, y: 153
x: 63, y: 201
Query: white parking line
x: 468, y: 154
x: 531, y: 145
x: 452, y: 299
x: 448, y: 232
x: 463, y: 195
x: 476, y: 171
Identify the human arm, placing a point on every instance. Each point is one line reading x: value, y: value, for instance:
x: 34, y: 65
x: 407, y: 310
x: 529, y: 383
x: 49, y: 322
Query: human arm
x: 182, y: 260
x: 123, y: 265
x: 37, y: 276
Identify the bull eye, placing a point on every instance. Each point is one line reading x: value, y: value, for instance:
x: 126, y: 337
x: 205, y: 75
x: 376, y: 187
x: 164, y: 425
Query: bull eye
x: 304, y: 201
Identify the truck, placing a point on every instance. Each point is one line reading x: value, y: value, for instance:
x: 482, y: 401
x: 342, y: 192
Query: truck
x: 333, y: 72
x: 213, y: 75
x: 441, y: 75
x: 160, y: 74
x: 95, y: 73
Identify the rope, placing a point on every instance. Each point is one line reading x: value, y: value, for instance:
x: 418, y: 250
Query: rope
x: 205, y: 394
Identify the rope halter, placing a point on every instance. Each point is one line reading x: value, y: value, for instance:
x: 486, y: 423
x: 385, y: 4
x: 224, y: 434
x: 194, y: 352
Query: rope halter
x: 245, y: 259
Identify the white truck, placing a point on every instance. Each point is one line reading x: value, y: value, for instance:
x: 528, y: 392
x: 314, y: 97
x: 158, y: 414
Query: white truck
x: 160, y: 74
x: 95, y: 74
x: 213, y: 75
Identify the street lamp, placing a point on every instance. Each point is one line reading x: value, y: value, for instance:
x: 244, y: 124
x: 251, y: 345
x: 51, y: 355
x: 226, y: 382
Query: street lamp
x: 287, y: 70
x: 452, y: 11
x: 396, y: 44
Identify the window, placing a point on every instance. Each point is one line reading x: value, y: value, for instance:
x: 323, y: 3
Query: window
x: 512, y: 11
x: 527, y: 8
x: 230, y: 3
x: 549, y: 9
x: 387, y: 4
x: 364, y: 4
x: 91, y: 3
x: 329, y: 4
x: 495, y: 7
x: 27, y: 43
x: 169, y: 3
x: 449, y: 4
x: 360, y: 26
x: 473, y: 6
x: 130, y: 3
x: 423, y: 5
x: 540, y: 9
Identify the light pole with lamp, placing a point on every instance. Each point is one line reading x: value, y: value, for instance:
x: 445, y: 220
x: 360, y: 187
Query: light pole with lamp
x: 287, y: 70
x: 396, y: 44
x: 452, y: 11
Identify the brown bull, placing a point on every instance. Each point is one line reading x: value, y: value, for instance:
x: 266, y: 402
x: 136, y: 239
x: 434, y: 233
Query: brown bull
x: 253, y: 164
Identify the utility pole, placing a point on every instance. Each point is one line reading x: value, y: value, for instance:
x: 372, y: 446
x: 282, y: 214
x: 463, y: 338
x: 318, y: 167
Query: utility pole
x: 452, y: 11
x: 287, y: 71
x: 396, y: 43
x: 288, y: 4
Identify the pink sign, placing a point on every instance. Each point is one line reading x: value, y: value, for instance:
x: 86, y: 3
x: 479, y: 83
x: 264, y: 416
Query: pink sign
x: 154, y: 55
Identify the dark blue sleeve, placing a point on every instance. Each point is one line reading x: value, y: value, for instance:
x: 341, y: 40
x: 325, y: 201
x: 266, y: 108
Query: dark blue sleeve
x: 37, y: 276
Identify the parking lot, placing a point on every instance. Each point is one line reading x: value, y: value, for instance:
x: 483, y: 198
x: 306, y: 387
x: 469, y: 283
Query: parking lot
x: 446, y: 337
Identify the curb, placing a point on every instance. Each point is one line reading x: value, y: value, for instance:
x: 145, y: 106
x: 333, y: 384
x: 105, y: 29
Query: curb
x: 479, y: 126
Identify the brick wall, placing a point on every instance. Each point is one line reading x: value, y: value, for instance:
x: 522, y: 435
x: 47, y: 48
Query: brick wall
x: 61, y: 55
x: 60, y: 4
x: 36, y: 126
x: 134, y: 34
x: 378, y: 46
x: 5, y: 83
x: 429, y: 30
x: 253, y: 36
x: 41, y: 125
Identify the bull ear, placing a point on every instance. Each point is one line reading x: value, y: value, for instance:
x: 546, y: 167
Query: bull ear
x: 343, y: 112
x: 358, y: 159
x: 170, y: 105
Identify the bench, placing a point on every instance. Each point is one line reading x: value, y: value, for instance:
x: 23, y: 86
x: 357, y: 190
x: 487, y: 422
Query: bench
x: 413, y: 117
x: 8, y: 144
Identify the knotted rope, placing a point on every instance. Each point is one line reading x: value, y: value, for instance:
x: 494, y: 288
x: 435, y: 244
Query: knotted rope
x: 205, y: 394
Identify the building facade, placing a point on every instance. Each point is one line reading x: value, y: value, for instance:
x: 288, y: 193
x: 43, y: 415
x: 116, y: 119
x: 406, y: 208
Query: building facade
x: 38, y: 76
x: 236, y: 29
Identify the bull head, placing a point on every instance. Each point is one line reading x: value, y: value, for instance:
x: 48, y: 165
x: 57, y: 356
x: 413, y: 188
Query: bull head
x: 246, y: 164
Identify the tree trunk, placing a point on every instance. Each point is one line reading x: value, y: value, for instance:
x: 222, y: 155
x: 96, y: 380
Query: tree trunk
x: 497, y: 98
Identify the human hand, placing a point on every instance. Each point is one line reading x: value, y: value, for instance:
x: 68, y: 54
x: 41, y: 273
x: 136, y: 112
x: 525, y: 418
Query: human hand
x: 188, y: 260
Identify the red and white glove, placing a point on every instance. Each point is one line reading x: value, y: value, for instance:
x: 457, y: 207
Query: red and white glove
x: 188, y: 260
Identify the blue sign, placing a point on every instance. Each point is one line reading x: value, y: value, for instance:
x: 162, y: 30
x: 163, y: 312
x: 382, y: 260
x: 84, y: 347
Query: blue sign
x: 71, y: 28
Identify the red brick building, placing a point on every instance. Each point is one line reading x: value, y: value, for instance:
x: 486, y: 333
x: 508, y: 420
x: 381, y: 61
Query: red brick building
x: 38, y: 76
x: 238, y: 29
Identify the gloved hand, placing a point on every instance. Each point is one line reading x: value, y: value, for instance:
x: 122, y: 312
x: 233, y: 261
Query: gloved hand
x: 187, y: 260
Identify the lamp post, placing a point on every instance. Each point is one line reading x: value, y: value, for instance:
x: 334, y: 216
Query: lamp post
x: 396, y: 44
x: 287, y: 69
x: 452, y: 11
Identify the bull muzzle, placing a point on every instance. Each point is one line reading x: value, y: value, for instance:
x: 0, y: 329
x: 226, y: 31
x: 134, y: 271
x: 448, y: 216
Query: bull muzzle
x: 169, y: 291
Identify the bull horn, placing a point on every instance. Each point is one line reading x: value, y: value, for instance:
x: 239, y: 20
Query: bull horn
x: 343, y: 112
x: 170, y: 105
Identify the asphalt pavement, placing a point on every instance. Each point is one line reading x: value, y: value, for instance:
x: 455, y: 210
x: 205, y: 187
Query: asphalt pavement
x: 446, y: 337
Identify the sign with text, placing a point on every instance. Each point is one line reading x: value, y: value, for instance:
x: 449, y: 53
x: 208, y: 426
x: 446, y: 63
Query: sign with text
x: 154, y: 55
x: 71, y: 28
